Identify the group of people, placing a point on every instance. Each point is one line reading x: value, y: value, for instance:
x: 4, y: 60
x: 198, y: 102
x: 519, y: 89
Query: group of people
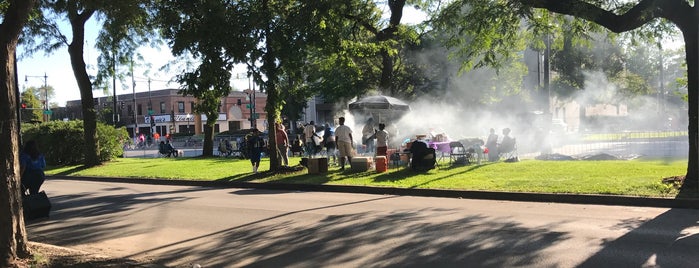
x: 225, y: 148
x: 341, y: 140
x: 495, y: 148
x: 314, y: 142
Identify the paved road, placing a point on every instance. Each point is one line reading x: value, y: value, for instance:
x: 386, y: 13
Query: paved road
x: 226, y: 227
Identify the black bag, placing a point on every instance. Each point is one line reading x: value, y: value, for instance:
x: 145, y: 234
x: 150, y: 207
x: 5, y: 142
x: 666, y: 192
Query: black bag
x: 36, y: 206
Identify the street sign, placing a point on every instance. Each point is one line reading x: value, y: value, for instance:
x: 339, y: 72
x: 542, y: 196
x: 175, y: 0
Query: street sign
x: 150, y: 112
x: 49, y: 112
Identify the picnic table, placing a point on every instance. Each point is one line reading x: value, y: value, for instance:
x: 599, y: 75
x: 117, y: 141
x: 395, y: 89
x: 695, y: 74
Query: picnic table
x: 440, y: 146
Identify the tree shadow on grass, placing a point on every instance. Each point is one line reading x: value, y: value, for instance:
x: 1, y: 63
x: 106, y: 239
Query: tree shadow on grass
x: 407, y: 173
x: 73, y: 170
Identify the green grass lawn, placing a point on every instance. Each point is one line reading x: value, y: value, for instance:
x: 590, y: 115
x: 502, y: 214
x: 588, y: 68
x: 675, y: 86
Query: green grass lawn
x: 634, y: 177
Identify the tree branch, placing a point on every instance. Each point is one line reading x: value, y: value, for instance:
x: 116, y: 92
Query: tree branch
x: 640, y: 14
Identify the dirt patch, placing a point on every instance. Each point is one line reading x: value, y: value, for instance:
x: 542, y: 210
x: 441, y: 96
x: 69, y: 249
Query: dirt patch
x: 45, y: 255
x: 675, y: 181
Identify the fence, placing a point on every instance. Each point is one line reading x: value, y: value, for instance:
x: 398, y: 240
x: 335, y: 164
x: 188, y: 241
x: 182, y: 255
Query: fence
x: 659, y: 144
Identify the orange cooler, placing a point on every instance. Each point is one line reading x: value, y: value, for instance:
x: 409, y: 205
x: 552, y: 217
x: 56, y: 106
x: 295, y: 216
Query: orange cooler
x: 381, y: 164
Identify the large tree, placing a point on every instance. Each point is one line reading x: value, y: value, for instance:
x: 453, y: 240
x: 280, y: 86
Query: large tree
x: 634, y: 15
x: 270, y: 37
x: 13, y: 236
x: 371, y: 52
x: 493, y: 23
x: 123, y: 30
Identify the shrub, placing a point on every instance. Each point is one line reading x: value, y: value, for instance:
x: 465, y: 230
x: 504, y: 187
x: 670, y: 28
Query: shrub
x: 62, y: 141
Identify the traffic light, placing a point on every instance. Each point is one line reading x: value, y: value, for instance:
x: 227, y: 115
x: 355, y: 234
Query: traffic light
x: 24, y: 106
x: 122, y: 105
x: 152, y: 121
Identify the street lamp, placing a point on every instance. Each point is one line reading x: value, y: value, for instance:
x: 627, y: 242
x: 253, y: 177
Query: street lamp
x: 46, y: 93
x: 188, y: 118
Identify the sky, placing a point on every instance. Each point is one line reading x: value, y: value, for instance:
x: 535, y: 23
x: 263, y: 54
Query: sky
x: 57, y: 69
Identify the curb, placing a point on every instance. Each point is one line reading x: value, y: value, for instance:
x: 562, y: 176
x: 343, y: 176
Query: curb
x: 611, y: 200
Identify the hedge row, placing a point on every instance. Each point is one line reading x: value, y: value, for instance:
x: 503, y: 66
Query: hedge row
x: 62, y: 142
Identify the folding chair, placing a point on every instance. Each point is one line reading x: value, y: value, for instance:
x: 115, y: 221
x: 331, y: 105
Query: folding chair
x: 458, y: 153
x: 508, y: 149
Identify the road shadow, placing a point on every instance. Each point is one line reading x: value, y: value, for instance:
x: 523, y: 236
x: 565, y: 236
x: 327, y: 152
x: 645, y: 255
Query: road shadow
x: 668, y: 228
x: 349, y: 240
x: 86, y: 213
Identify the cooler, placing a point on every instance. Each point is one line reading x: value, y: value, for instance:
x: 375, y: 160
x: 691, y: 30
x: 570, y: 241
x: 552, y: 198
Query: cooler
x: 361, y: 163
x: 381, y: 163
x: 317, y: 165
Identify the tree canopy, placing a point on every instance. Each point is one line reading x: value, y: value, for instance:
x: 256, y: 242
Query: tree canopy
x: 493, y: 26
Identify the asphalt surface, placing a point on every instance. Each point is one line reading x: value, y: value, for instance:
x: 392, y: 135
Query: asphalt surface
x: 487, y: 195
x: 219, y: 225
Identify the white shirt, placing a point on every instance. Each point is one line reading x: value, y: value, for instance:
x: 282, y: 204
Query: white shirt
x: 382, y: 138
x: 343, y: 133
x: 308, y: 131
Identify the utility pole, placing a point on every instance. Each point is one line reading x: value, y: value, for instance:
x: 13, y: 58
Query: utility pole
x: 133, y: 108
x: 46, y: 95
x: 150, y: 109
x: 115, y: 116
x: 547, y: 72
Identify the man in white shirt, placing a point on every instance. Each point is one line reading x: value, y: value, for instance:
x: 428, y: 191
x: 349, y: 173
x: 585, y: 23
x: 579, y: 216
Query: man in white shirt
x: 381, y: 140
x: 308, y: 132
x: 345, y: 143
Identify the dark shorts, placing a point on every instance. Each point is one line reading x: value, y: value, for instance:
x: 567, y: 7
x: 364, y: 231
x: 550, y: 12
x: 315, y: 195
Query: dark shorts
x: 330, y: 145
x: 381, y: 150
x: 255, y: 155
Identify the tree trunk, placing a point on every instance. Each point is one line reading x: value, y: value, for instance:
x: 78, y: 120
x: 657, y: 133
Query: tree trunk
x: 269, y: 65
x: 13, y: 235
x: 208, y: 147
x: 75, y: 50
x: 691, y: 182
x: 272, y: 116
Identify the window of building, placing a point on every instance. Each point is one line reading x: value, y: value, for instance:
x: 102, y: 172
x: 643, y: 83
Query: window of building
x: 162, y: 107
x: 129, y: 109
x: 180, y: 106
x: 191, y: 109
x: 139, y: 109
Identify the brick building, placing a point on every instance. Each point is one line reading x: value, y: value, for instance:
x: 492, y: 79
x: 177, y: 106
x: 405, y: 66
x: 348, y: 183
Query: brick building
x: 174, y: 113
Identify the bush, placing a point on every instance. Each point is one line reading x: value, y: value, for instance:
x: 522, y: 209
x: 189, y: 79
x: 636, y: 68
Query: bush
x: 62, y: 141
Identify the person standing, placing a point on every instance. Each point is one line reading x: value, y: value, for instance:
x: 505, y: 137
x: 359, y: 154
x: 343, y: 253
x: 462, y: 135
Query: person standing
x: 492, y: 145
x: 31, y: 167
x: 282, y: 143
x: 381, y: 140
x: 368, y: 135
x: 345, y: 142
x: 309, y: 131
x: 255, y: 145
x: 329, y: 143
